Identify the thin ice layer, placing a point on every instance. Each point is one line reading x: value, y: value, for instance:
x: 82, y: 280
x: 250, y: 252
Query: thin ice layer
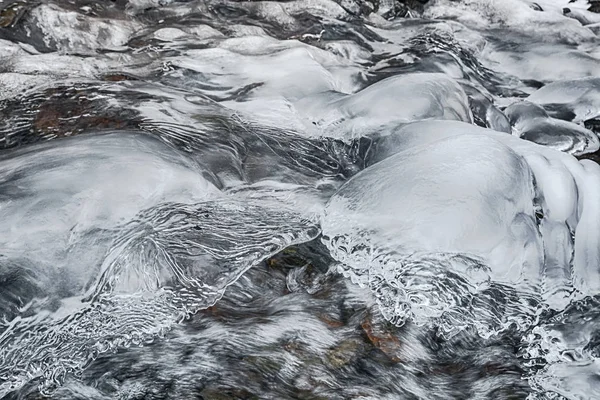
x: 576, y: 99
x: 531, y: 122
x: 173, y: 260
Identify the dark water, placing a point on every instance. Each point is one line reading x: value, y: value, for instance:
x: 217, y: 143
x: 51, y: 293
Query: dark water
x: 307, y: 199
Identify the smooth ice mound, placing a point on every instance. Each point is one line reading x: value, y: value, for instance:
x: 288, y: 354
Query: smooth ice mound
x: 460, y: 225
x: 531, y: 122
x: 398, y: 99
x: 94, y: 182
x: 577, y: 99
x: 78, y: 280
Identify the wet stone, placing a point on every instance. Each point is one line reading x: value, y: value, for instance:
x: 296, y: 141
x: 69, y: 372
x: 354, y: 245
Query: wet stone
x: 344, y: 353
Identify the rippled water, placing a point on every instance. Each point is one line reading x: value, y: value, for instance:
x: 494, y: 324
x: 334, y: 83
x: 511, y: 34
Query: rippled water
x: 305, y: 199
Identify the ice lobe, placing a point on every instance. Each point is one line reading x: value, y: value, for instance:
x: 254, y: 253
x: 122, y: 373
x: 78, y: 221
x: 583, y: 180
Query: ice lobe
x: 455, y: 176
x: 515, y: 15
x: 451, y: 214
x: 60, y: 206
x: 567, y: 192
x: 485, y: 113
x: 577, y: 99
x: 582, y: 15
x: 51, y: 194
x: 398, y: 99
x: 466, y: 200
x: 542, y: 62
x: 109, y: 240
x: 72, y: 32
x: 531, y: 122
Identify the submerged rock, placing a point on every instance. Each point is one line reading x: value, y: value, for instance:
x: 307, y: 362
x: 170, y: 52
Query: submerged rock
x: 574, y: 100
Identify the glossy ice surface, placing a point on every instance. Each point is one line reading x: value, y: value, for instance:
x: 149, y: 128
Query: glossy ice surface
x: 306, y: 199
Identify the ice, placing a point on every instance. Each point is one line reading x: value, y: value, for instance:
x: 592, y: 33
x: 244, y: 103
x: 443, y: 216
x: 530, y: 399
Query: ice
x: 567, y: 345
x: 467, y: 211
x: 52, y: 194
x: 531, y: 122
x: 398, y: 99
x: 466, y: 201
x: 60, y: 204
x: 71, y: 32
x: 567, y: 191
x: 558, y: 5
x: 268, y: 75
x: 288, y: 67
x: 582, y: 15
x: 540, y: 62
x: 9, y: 50
x: 577, y: 100
x: 577, y: 380
x: 516, y: 15
x: 485, y: 113
x: 109, y: 240
x: 173, y: 261
x: 14, y: 84
x: 252, y: 126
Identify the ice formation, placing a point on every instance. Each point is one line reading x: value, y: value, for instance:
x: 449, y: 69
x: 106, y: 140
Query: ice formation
x: 515, y: 215
x: 153, y: 152
x: 108, y: 241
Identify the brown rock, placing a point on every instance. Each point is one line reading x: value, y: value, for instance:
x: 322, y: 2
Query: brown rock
x: 344, y: 353
x: 385, y: 341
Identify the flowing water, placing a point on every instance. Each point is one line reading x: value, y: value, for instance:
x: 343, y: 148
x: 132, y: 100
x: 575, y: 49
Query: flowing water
x: 300, y: 199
